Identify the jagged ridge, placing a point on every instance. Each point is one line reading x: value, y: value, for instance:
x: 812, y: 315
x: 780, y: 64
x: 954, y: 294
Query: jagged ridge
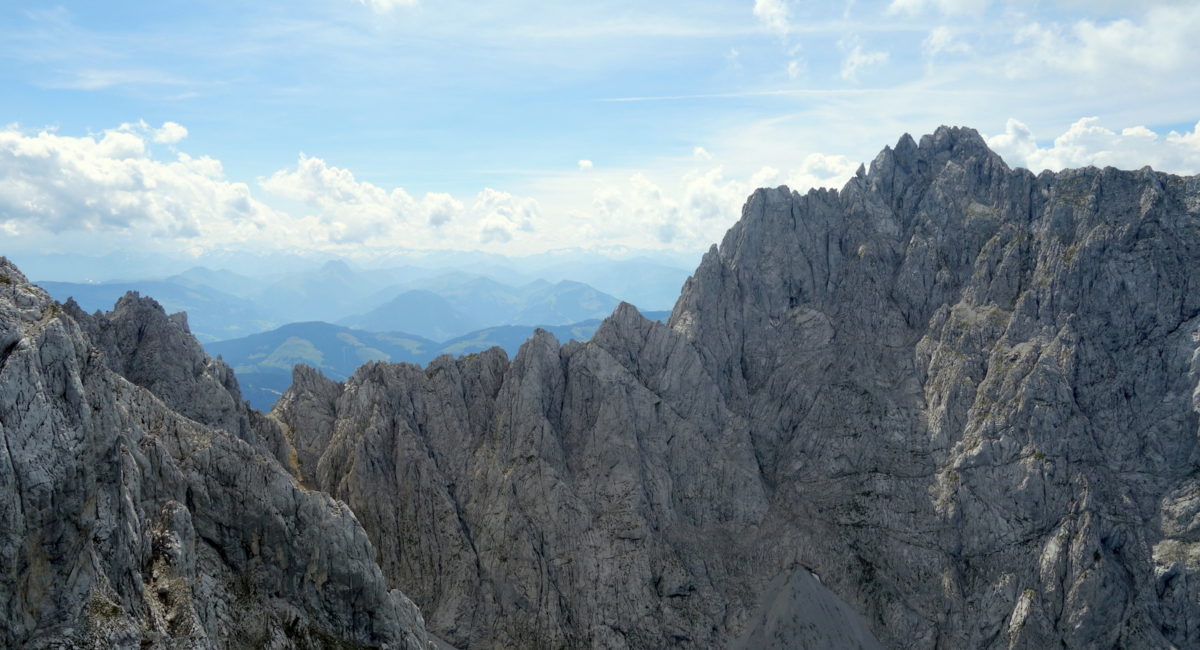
x: 958, y: 392
x: 157, y: 517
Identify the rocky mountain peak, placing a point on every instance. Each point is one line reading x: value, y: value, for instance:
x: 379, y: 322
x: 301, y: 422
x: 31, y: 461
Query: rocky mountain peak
x: 140, y: 506
x: 959, y: 392
x: 951, y: 404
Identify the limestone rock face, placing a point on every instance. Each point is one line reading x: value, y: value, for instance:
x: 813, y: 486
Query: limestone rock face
x: 136, y: 511
x: 963, y: 395
x: 144, y: 345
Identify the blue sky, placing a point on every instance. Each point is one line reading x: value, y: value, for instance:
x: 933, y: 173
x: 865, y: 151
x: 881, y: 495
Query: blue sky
x: 361, y: 127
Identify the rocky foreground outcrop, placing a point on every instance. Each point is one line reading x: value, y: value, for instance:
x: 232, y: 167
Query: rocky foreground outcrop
x: 953, y: 404
x: 142, y: 505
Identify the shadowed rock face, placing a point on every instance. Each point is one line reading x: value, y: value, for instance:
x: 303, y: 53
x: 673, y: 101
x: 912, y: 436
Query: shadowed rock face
x: 961, y: 394
x: 159, y: 518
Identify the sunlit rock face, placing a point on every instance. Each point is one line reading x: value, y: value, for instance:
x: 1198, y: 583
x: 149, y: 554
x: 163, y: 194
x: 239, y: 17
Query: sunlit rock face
x: 142, y: 506
x: 949, y: 405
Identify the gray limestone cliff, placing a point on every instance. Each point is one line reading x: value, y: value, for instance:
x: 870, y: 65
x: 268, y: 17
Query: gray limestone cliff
x: 142, y: 506
x: 952, y: 404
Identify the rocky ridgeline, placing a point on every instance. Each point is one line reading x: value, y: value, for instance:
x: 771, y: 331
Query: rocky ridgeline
x: 950, y: 405
x: 143, y: 506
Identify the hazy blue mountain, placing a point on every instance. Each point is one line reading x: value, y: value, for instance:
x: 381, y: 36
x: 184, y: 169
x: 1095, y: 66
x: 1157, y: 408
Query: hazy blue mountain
x: 112, y: 267
x: 223, y: 280
x: 510, y: 337
x: 223, y: 302
x: 484, y: 302
x: 212, y: 315
x: 421, y: 312
x: 329, y: 293
x: 640, y: 281
x: 263, y: 362
x: 481, y: 299
x: 563, y: 302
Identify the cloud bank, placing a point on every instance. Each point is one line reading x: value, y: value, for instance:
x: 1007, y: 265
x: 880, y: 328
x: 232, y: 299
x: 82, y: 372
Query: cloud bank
x: 132, y: 181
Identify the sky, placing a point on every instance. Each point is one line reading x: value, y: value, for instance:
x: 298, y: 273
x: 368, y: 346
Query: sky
x: 363, y: 127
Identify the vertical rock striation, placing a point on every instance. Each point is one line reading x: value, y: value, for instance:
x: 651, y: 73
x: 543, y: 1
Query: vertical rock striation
x: 139, y: 509
x: 962, y: 395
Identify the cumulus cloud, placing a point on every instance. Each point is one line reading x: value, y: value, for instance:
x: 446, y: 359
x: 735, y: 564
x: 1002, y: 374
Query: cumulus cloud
x: 501, y: 215
x: 683, y: 214
x: 170, y: 133
x: 695, y: 208
x: 1087, y: 142
x: 109, y: 182
x: 350, y: 211
x: 822, y: 170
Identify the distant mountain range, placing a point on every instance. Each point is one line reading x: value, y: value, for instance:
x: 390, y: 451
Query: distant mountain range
x: 453, y: 305
x: 264, y: 361
x: 434, y: 304
x: 212, y: 315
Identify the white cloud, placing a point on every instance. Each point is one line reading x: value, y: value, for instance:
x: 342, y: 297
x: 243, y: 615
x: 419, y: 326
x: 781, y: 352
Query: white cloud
x: 501, y: 215
x: 765, y: 177
x: 111, y: 183
x: 108, y: 185
x: 687, y: 210
x: 951, y: 7
x: 350, y: 212
x: 822, y: 170
x: 585, y: 165
x: 170, y: 133
x: 383, y: 6
x: 108, y: 182
x: 856, y: 59
x: 1163, y: 41
x: 773, y: 14
x: 1087, y: 142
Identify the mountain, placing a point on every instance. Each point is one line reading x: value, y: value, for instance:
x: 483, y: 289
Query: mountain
x: 328, y: 293
x: 474, y: 301
x: 480, y: 300
x: 142, y: 505
x: 263, y: 362
x: 642, y: 281
x: 223, y: 304
x: 949, y: 405
x: 423, y: 313
x: 563, y: 302
x: 225, y: 281
x: 213, y: 315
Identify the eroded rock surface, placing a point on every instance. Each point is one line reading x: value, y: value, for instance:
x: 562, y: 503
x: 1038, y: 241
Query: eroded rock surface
x: 138, y: 509
x: 962, y: 394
